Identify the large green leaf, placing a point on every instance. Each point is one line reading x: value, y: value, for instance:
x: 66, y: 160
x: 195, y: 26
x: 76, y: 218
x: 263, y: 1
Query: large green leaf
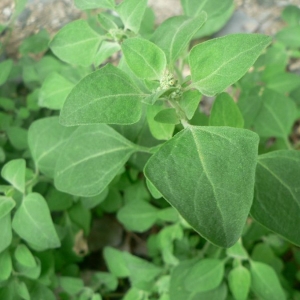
x: 91, y: 4
x: 46, y: 138
x: 277, y: 196
x: 265, y: 283
x: 218, y: 63
x: 14, y: 173
x: 131, y: 13
x: 145, y: 59
x: 207, y: 174
x: 218, y: 13
x: 239, y: 280
x: 225, y: 112
x: 174, y: 35
x: 90, y: 160
x: 76, y: 43
x: 33, y: 223
x: 116, y: 100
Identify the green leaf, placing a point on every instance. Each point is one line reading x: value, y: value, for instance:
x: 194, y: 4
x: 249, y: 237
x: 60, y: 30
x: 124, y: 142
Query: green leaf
x: 5, y: 68
x: 76, y: 43
x: 106, y: 21
x: 152, y: 189
x: 58, y: 201
x: 265, y: 283
x: 283, y: 82
x: 17, y: 137
x: 54, y: 91
x: 35, y: 43
x: 218, y: 13
x: 6, y: 265
x: 40, y: 291
x: 289, y: 36
x: 106, y: 50
x: 71, y: 285
x: 167, y: 116
x: 159, y: 130
x: 276, y: 115
x: 131, y: 12
x: 81, y: 216
x: 205, y: 275
x: 24, y: 257
x: 5, y: 232
x: 174, y: 35
x: 14, y: 173
x: 90, y: 160
x: 33, y: 223
x: 237, y: 251
x: 46, y: 138
x: 22, y: 290
x: 137, y: 216
x: 91, y: 4
x: 144, y: 58
x: 213, y: 195
x: 291, y: 15
x: 225, y: 112
x: 212, y: 62
x: 239, y: 280
x: 277, y: 196
x: 106, y: 279
x: 116, y: 100
x: 6, y: 205
x: 189, y: 102
x: 91, y: 202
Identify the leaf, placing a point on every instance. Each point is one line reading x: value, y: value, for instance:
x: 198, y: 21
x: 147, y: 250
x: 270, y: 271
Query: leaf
x: 116, y: 100
x: 237, y: 251
x: 106, y: 50
x: 205, y: 275
x: 6, y: 205
x: 289, y: 36
x: 91, y: 4
x: 46, y: 138
x: 17, y: 137
x: 218, y: 13
x: 276, y: 202
x: 239, y: 280
x: 152, y: 189
x: 90, y: 159
x: 71, y: 285
x: 265, y: 283
x: 207, y: 174
x: 5, y: 68
x: 144, y: 58
x: 283, y: 83
x: 131, y: 13
x: 189, y: 102
x: 212, y: 62
x: 106, y: 21
x: 167, y: 116
x: 291, y: 15
x: 174, y: 35
x: 22, y: 290
x: 225, y: 112
x: 137, y: 216
x: 5, y: 232
x: 35, y: 43
x: 14, y: 173
x: 54, y: 91
x: 33, y: 223
x: 276, y: 116
x: 6, y: 265
x: 76, y: 43
x: 24, y: 257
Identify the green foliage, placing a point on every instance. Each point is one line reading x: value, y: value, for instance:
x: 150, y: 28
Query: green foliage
x: 115, y: 184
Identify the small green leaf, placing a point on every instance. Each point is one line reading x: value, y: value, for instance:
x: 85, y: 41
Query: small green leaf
x: 6, y: 205
x: 289, y: 36
x: 33, y: 223
x: 291, y: 15
x: 17, y: 137
x: 237, y: 251
x: 35, y: 43
x: 22, y: 290
x: 40, y: 291
x: 205, y: 275
x: 116, y: 100
x: 91, y: 4
x: 14, y: 173
x: 5, y: 232
x: 131, y: 12
x: 212, y: 62
x: 106, y: 50
x: 152, y: 189
x: 32, y: 273
x: 213, y: 195
x: 137, y: 216
x: 6, y: 265
x: 277, y: 196
x: 239, y: 280
x: 76, y: 43
x: 225, y: 112
x: 106, y: 279
x: 144, y: 58
x: 71, y: 285
x: 90, y: 159
x: 167, y: 116
x: 24, y: 257
x: 91, y: 202
x: 5, y: 68
x: 46, y: 138
x: 283, y: 83
x: 54, y: 91
x: 174, y: 35
x: 265, y: 283
x: 106, y: 21
x: 189, y: 102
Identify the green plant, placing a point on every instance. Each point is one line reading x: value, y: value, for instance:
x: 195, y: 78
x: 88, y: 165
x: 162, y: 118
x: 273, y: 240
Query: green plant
x: 130, y: 142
